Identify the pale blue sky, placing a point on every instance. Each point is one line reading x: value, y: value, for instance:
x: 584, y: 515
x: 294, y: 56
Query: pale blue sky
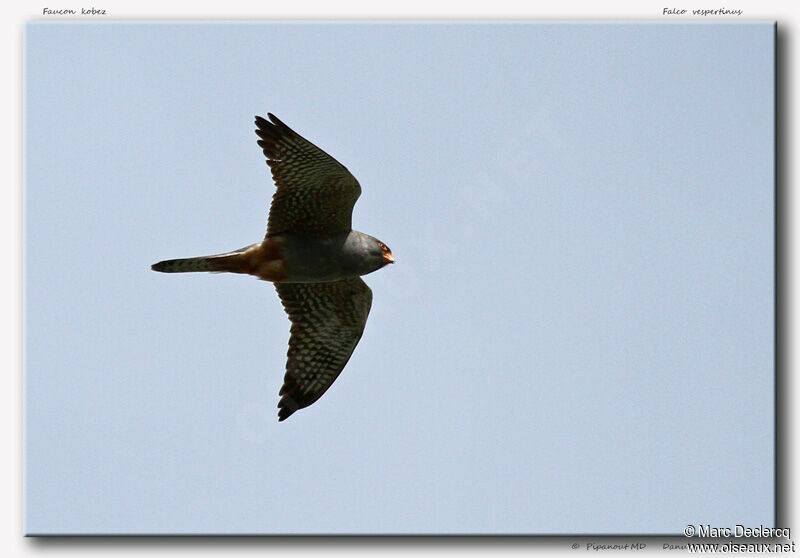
x: 577, y: 336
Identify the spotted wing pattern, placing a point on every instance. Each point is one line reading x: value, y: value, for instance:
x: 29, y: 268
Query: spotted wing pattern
x: 327, y: 322
x: 315, y: 193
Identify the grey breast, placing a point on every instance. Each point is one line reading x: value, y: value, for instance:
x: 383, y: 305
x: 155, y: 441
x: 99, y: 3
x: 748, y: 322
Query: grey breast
x: 315, y: 258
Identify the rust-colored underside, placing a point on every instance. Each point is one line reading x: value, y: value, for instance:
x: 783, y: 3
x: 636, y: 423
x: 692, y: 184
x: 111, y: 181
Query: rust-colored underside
x: 264, y: 260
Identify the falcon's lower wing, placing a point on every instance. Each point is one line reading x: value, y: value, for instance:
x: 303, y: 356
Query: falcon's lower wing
x: 327, y: 322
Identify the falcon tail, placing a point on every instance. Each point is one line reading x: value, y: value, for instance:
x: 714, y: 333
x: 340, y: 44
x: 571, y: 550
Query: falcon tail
x: 233, y: 262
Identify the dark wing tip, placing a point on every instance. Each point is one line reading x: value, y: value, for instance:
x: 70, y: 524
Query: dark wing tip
x: 274, y: 125
x: 273, y: 122
x: 265, y: 128
x: 287, y: 406
x: 269, y: 136
x: 272, y: 132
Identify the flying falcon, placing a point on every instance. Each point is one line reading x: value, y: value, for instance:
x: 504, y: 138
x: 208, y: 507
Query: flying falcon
x: 313, y: 257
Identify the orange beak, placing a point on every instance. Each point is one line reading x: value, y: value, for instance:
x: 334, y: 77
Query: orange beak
x: 388, y: 257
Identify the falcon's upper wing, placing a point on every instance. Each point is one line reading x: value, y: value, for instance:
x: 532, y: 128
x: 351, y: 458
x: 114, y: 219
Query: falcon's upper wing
x: 315, y: 194
x: 327, y: 322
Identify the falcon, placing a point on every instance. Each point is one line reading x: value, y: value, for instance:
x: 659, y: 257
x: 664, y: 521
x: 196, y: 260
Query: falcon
x: 312, y: 256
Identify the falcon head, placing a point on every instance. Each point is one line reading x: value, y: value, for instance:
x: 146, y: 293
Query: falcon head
x: 377, y: 254
x: 367, y: 253
x: 386, y: 254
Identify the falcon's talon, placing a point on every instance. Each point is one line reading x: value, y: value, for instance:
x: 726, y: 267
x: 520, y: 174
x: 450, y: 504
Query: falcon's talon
x: 309, y: 222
